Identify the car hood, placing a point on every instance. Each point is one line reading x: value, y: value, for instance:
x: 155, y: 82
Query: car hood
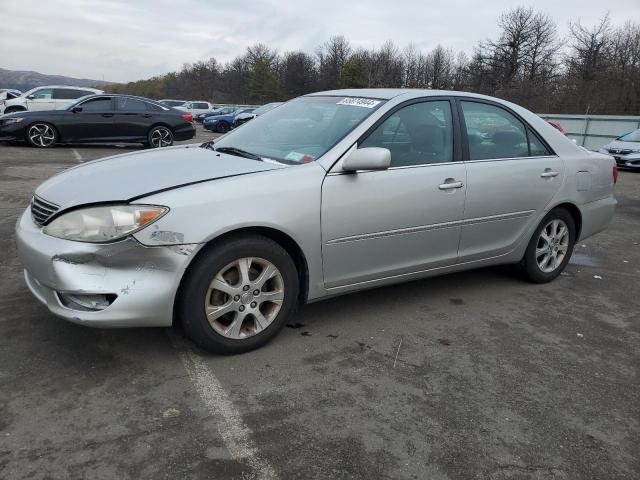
x: 134, y: 175
x: 621, y: 145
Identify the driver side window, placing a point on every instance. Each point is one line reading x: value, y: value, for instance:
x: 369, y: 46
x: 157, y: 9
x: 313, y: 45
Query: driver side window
x: 418, y: 134
x: 43, y: 94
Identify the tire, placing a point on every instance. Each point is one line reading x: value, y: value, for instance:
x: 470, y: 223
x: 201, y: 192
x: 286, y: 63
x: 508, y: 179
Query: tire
x: 558, y: 248
x: 222, y: 127
x: 219, y: 312
x: 159, y: 137
x: 41, y: 135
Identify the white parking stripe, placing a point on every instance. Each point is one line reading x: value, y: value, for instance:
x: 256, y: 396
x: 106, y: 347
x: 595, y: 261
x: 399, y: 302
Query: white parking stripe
x: 76, y: 154
x: 235, y: 434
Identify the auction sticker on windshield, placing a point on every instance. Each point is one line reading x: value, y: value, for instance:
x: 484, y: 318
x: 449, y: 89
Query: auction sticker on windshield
x: 359, y: 102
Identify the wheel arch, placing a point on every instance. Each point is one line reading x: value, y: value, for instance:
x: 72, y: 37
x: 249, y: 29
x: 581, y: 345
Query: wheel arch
x: 160, y: 124
x: 14, y: 108
x: 278, y: 236
x: 575, y: 213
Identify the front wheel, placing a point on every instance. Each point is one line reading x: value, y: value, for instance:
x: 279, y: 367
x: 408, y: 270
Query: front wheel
x: 238, y: 295
x: 159, y: 137
x: 550, y: 247
x: 42, y: 135
x: 223, y: 127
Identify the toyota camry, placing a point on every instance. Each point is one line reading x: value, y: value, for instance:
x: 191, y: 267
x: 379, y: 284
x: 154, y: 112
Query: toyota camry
x: 327, y: 194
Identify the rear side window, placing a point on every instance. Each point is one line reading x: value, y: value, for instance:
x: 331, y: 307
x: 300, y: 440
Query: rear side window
x: 125, y: 104
x: 536, y: 147
x: 200, y: 106
x: 96, y: 105
x: 69, y: 93
x: 493, y: 132
x: 418, y: 134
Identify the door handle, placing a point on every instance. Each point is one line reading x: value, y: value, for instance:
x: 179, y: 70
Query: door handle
x: 450, y: 185
x: 548, y: 173
x: 107, y: 115
x: 146, y: 115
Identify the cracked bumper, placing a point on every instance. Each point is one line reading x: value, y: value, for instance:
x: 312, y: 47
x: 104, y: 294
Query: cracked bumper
x: 144, y: 279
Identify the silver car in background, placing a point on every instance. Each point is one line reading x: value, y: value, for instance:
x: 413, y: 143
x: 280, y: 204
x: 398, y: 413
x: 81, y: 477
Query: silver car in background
x: 625, y: 150
x: 327, y: 194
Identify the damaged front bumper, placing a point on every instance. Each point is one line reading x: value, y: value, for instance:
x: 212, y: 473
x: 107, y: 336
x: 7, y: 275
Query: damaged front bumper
x: 120, y: 284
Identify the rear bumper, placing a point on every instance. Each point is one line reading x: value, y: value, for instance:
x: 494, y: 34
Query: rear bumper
x: 144, y: 280
x: 186, y: 132
x: 596, y: 216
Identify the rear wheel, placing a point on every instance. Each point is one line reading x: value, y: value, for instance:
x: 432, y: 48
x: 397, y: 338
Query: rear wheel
x: 550, y: 247
x: 239, y: 295
x: 159, y: 137
x: 42, y: 135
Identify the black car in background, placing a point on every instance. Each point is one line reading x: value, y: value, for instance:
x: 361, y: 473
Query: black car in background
x: 100, y: 119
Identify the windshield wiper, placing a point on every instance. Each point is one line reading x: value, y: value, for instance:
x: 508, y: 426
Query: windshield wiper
x: 208, y: 145
x: 238, y: 152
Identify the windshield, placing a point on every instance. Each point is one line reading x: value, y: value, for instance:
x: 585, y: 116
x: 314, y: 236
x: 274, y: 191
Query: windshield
x: 302, y: 130
x: 631, y: 137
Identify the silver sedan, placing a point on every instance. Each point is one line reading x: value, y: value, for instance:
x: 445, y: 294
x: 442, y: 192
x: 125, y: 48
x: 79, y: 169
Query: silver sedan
x: 330, y: 193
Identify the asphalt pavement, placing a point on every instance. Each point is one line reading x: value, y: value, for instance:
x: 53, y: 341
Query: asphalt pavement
x: 476, y: 375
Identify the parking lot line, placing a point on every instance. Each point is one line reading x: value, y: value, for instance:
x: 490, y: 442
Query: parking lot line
x: 76, y: 154
x: 235, y: 434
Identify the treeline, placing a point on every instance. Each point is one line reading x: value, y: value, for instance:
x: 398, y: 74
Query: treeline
x: 595, y: 69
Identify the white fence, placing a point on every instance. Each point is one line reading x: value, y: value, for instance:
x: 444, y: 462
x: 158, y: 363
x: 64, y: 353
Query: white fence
x: 594, y: 131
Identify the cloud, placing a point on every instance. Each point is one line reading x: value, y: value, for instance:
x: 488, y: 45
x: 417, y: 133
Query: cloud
x: 123, y: 40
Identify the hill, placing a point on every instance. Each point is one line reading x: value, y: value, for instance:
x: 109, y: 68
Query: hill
x: 25, y: 80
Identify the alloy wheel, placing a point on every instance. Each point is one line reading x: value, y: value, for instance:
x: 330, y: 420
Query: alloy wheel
x: 552, y: 245
x: 244, y: 297
x: 161, y: 137
x: 41, y: 135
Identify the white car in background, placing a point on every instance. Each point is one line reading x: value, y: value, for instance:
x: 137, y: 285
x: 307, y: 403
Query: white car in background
x: 196, y: 107
x: 53, y: 97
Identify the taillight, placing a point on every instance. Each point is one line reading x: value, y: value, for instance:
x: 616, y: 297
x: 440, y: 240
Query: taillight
x: 615, y: 173
x: 187, y: 116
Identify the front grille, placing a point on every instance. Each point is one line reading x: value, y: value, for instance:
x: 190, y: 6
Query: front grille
x: 618, y: 151
x: 41, y: 210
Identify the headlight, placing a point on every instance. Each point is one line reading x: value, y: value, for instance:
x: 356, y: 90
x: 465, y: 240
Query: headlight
x: 104, y: 224
x: 7, y: 121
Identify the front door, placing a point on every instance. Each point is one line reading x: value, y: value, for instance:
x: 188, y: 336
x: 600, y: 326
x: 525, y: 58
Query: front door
x: 403, y: 220
x: 512, y: 176
x: 40, y: 100
x: 95, y: 122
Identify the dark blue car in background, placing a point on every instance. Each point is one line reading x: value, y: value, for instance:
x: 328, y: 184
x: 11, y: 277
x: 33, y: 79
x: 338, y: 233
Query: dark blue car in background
x: 223, y: 123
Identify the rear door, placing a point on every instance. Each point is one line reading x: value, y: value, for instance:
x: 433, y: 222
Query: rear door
x: 95, y: 122
x: 132, y: 118
x: 404, y: 220
x: 512, y: 176
x: 41, y: 99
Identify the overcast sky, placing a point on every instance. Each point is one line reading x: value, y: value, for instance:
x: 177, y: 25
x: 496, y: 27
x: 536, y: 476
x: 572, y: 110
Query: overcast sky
x: 129, y: 40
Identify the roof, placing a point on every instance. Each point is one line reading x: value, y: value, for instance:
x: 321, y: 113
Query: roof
x: 389, y: 93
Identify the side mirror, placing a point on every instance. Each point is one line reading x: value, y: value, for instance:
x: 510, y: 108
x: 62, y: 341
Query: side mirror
x: 369, y: 158
x: 76, y: 109
x: 31, y: 97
